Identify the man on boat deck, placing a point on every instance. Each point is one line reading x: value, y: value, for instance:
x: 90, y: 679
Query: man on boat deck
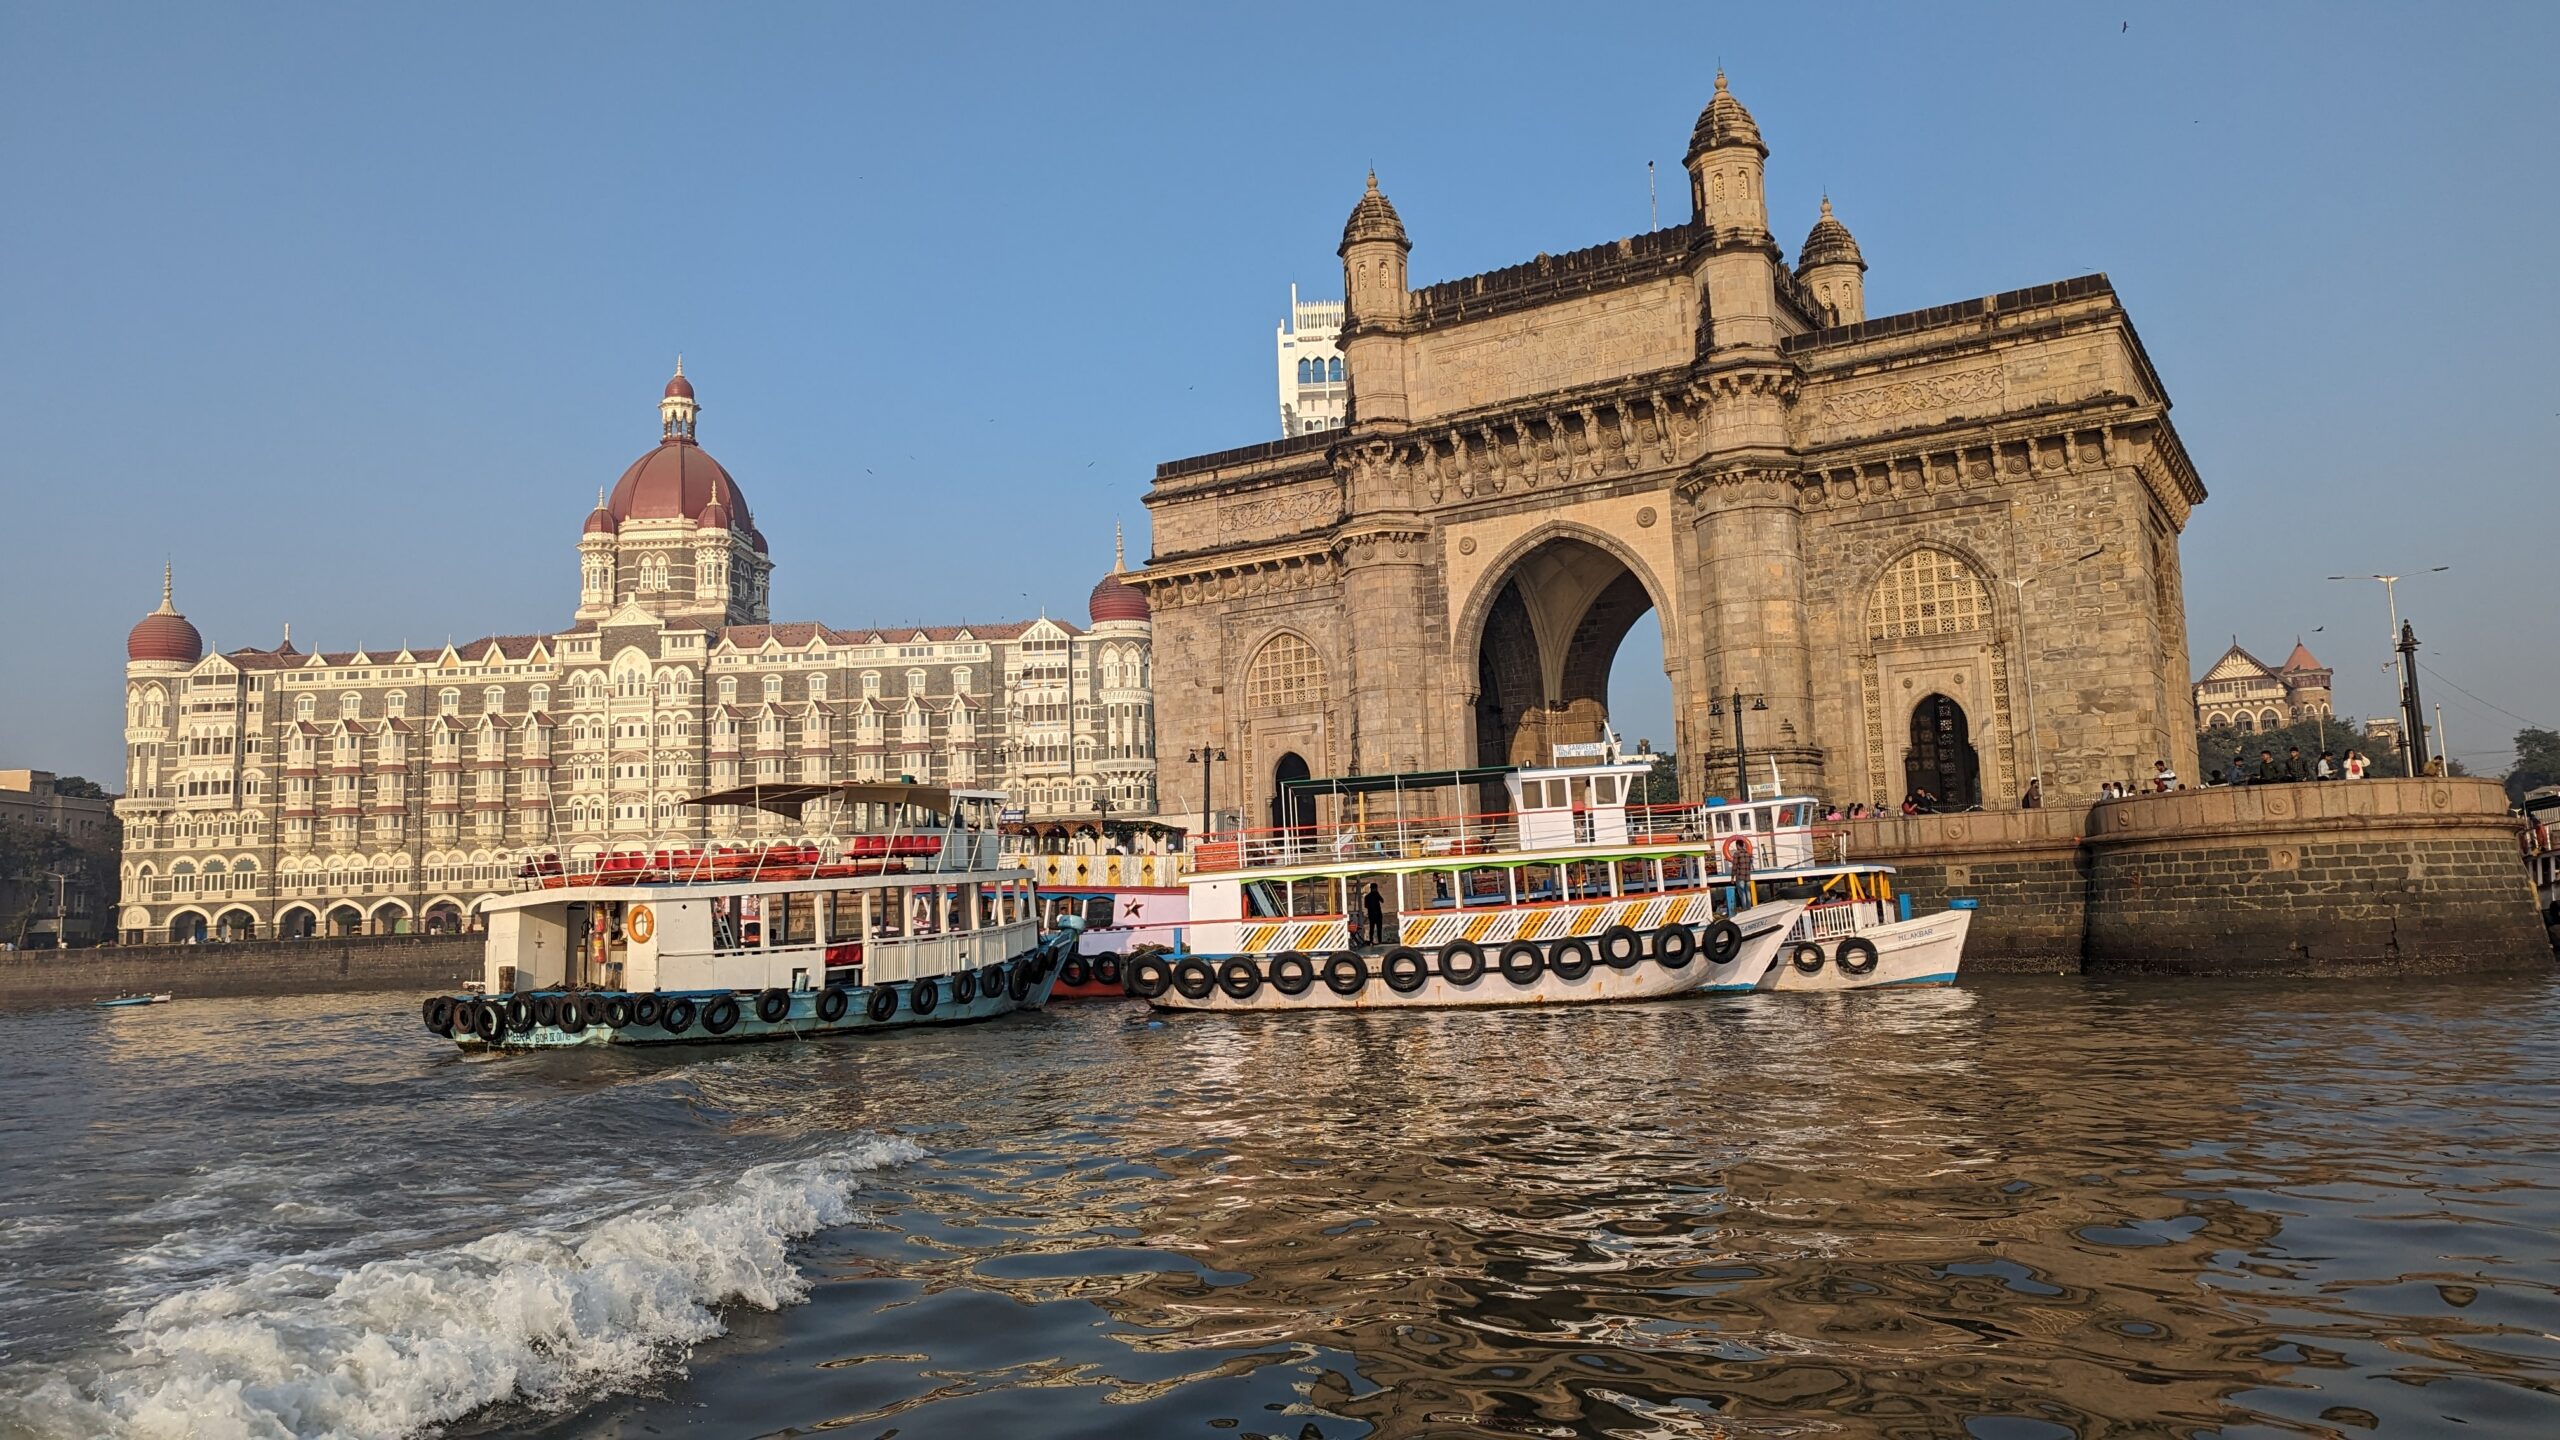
x: 1376, y: 910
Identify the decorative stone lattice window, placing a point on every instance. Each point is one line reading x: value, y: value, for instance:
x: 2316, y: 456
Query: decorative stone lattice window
x: 1285, y: 672
x: 1928, y: 592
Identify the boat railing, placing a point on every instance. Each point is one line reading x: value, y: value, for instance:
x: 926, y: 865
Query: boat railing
x: 1830, y: 919
x: 915, y: 852
x: 1456, y: 837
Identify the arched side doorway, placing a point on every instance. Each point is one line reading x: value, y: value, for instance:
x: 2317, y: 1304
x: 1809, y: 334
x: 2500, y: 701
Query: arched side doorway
x: 1941, y: 767
x: 186, y: 928
x: 1545, y: 648
x: 237, y: 925
x: 346, y: 920
x: 1288, y: 809
x: 297, y: 923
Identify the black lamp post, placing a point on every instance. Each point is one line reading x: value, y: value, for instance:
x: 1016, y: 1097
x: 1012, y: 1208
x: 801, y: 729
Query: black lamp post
x: 1742, y: 755
x: 1208, y: 812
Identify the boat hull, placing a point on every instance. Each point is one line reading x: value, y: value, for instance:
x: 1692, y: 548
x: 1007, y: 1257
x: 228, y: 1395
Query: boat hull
x: 1764, y: 929
x: 1925, y: 950
x: 800, y: 1022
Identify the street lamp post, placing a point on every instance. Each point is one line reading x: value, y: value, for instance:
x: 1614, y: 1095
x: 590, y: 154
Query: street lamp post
x: 2408, y: 722
x: 2026, y: 671
x: 61, y: 915
x: 1201, y: 756
x: 1741, y: 753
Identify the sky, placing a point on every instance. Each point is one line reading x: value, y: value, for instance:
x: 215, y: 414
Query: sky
x: 348, y: 311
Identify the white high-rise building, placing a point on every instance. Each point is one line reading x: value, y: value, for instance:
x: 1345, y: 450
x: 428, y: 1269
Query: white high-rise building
x: 1313, y: 394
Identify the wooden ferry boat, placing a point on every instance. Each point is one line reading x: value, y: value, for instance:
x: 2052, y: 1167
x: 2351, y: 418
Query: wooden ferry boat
x: 1573, y: 896
x: 910, y: 922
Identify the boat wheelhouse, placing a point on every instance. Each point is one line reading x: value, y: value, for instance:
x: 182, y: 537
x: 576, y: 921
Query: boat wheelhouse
x: 911, y: 920
x: 1573, y: 894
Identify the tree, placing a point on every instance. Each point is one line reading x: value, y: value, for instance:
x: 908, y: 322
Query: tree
x: 2220, y: 746
x: 1662, y: 786
x: 79, y: 788
x: 2537, y: 762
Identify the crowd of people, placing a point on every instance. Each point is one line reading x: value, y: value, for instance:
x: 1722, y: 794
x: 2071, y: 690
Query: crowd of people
x: 2293, y: 769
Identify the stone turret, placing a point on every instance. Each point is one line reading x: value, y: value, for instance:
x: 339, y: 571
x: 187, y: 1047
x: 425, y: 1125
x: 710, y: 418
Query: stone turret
x: 1831, y: 267
x: 1725, y: 161
x: 1373, y: 254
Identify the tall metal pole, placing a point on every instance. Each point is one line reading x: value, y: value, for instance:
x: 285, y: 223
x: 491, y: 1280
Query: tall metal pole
x: 2409, y: 761
x: 1741, y: 755
x: 2413, y: 715
x: 2027, y: 682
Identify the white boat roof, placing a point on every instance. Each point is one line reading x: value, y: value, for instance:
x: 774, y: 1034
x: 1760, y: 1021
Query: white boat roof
x: 694, y: 890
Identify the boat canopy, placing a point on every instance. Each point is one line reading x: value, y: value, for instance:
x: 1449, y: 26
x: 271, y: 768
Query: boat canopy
x: 789, y: 800
x: 1394, y: 784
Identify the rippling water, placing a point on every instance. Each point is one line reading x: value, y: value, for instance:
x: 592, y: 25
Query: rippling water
x: 2020, y: 1209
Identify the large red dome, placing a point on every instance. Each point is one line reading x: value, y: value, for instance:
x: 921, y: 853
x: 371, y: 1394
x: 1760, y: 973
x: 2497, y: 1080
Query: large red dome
x: 677, y: 481
x: 164, y: 634
x: 1116, y: 599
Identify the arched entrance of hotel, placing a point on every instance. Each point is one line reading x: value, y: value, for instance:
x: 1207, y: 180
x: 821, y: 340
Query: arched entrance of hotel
x: 1288, y: 808
x: 1942, y: 760
x: 1548, y: 642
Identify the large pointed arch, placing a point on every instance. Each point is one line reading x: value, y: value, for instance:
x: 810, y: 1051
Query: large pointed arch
x: 1543, y: 626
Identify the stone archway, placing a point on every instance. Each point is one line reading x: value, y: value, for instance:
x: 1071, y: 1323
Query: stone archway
x: 237, y: 925
x: 1545, y: 647
x: 1288, y: 809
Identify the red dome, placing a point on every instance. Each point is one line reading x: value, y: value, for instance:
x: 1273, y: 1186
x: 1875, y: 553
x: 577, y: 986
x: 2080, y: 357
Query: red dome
x: 715, y: 516
x: 1116, y: 599
x: 677, y: 481
x: 599, y: 521
x: 680, y: 386
x: 164, y: 635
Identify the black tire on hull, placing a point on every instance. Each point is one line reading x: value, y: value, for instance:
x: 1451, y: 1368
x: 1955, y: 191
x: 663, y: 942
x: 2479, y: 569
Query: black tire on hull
x: 646, y: 1010
x: 1724, y: 941
x: 1075, y: 971
x: 1621, y: 948
x: 489, y: 1023
x: 677, y: 1018
x: 1106, y: 967
x: 1674, y: 946
x: 1292, y: 973
x: 1462, y: 962
x: 1856, y: 956
x: 1021, y: 986
x: 832, y: 1002
x: 964, y: 987
x: 1345, y: 973
x: 1404, y: 970
x: 991, y: 981
x: 591, y: 1008
x: 519, y: 1014
x: 1149, y: 977
x: 882, y: 1004
x: 924, y: 995
x: 1194, y: 979
x: 1570, y: 959
x: 721, y: 1015
x: 1806, y: 957
x: 773, y: 1005
x: 1523, y: 963
x: 1239, y: 979
x: 570, y: 1016
x: 617, y: 1012
x: 438, y: 1013
x: 546, y: 1010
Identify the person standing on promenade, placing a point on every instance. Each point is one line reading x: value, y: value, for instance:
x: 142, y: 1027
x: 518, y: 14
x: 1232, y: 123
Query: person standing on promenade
x: 2268, y: 774
x: 2356, y: 764
x: 2294, y: 768
x: 2326, y: 769
x: 2163, y: 779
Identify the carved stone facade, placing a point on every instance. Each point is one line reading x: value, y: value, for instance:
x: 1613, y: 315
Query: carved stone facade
x: 1680, y: 421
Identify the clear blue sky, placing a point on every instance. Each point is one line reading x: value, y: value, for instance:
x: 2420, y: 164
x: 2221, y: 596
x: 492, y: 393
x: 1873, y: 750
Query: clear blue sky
x: 352, y: 309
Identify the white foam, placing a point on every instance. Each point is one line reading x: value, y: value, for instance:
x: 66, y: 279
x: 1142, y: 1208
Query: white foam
x: 394, y: 1347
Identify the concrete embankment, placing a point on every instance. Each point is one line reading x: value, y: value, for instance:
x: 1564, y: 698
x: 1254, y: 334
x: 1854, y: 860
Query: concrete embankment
x: 258, y: 967
x: 2364, y: 877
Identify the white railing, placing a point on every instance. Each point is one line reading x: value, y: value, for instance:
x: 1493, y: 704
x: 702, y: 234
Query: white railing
x: 1455, y: 837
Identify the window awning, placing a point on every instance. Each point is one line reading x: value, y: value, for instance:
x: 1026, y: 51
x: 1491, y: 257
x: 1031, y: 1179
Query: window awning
x: 1389, y: 784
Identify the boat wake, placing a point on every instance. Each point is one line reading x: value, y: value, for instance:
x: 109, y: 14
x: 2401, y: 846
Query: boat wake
x: 547, y: 1316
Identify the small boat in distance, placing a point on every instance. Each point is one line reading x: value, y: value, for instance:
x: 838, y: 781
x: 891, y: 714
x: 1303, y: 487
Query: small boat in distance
x: 909, y: 921
x: 1574, y: 896
x: 121, y: 1002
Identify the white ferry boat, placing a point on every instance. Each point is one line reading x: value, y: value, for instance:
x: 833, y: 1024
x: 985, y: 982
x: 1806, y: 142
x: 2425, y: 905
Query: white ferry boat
x: 1573, y: 896
x: 909, y: 921
x: 2542, y: 854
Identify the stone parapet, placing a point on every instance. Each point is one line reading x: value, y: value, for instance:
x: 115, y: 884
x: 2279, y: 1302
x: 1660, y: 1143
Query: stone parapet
x: 406, y: 963
x: 2343, y: 878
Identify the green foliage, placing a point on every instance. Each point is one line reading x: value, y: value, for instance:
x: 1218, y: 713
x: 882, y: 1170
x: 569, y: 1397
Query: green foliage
x: 2537, y: 762
x: 2218, y: 748
x: 1662, y: 786
x: 79, y: 788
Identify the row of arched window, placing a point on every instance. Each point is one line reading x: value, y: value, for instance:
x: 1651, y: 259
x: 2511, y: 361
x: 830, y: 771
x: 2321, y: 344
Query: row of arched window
x: 1320, y: 370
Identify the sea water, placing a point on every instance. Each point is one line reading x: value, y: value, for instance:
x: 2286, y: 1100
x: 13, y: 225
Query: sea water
x: 2017, y: 1208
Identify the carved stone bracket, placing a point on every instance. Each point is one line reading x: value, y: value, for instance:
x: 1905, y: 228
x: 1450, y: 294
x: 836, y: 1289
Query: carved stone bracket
x: 1270, y: 572
x: 1873, y: 473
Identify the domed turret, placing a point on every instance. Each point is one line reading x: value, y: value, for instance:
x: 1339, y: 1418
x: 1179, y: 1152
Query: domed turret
x: 1115, y: 598
x: 164, y: 637
x: 679, y: 480
x: 1833, y: 270
x: 1373, y: 219
x: 600, y: 519
x: 1725, y: 160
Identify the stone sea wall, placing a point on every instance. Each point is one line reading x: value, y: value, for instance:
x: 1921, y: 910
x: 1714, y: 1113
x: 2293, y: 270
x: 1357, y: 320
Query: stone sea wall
x: 261, y: 967
x: 2344, y: 878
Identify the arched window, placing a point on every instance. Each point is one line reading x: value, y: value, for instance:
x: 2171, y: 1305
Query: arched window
x: 305, y: 706
x: 448, y: 702
x: 493, y: 699
x: 1335, y: 368
x: 396, y: 703
x: 915, y: 682
x: 960, y: 681
x: 2245, y: 723
x: 1284, y: 672
x: 1927, y: 592
x: 870, y: 684
x: 817, y: 687
x: 538, y: 698
x: 1306, y: 372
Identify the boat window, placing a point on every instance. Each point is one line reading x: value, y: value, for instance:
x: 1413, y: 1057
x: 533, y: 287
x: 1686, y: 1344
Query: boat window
x: 1540, y: 883
x: 795, y: 918
x: 1635, y: 877
x: 724, y: 922
x: 750, y: 920
x: 889, y: 917
x: 1312, y: 896
x: 1724, y: 822
x: 989, y: 908
x: 1262, y: 900
x: 1680, y: 872
x: 844, y: 915
x: 1604, y: 789
x: 1097, y: 911
x: 1587, y: 881
x: 957, y: 909
x: 1432, y: 890
x: 1486, y: 885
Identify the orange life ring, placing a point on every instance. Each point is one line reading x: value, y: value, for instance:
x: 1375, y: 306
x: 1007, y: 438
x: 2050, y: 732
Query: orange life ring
x: 640, y: 925
x: 1738, y: 852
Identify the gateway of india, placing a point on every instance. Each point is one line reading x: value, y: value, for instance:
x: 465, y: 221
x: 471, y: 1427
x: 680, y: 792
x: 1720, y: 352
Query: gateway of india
x: 283, y: 793
x: 1929, y: 551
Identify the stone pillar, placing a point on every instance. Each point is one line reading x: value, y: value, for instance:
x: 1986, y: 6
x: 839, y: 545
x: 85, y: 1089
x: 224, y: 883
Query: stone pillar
x: 1748, y: 603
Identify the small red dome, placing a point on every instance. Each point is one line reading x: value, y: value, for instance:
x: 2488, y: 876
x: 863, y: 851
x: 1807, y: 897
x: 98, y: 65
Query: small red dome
x: 679, y: 387
x: 1116, y: 599
x: 676, y: 481
x: 164, y: 635
x: 715, y: 516
x: 599, y: 522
